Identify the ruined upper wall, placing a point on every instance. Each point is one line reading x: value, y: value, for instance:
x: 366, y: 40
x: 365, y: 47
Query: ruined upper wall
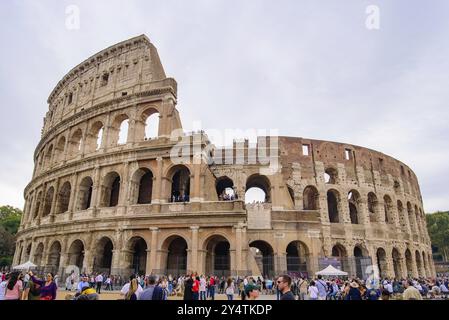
x: 123, y: 69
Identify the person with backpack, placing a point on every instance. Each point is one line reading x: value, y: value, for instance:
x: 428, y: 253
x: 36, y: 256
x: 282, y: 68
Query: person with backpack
x: 14, y: 287
x: 152, y: 291
x: 322, y: 288
x: 230, y: 289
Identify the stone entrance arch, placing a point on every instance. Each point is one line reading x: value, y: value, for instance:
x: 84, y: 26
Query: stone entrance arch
x: 218, y: 258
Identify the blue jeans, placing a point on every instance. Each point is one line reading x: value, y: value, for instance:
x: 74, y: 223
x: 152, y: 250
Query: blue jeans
x: 195, y: 295
x: 212, y: 292
x: 230, y: 296
x: 202, y: 295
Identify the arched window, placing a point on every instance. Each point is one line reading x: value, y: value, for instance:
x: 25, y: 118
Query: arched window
x: 111, y: 190
x: 388, y: 209
x: 311, y: 198
x: 372, y: 206
x: 142, y: 186
x: 354, y: 205
x: 333, y: 199
x: 123, y: 132
x: 60, y: 148
x: 95, y: 138
x: 85, y: 194
x: 180, y: 184
x: 64, y: 198
x: 331, y: 176
x: 225, y: 189
x: 258, y: 189
x: 48, y: 201
x: 76, y: 143
x: 151, y: 120
x: 48, y: 156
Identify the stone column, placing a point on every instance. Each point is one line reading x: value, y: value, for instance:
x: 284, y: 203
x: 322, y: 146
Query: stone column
x: 152, y: 256
x: 73, y: 195
x: 196, y: 183
x: 96, y: 189
x: 157, y: 185
x: 415, y: 270
x: 193, y: 262
x: 88, y: 260
x: 238, y: 248
x: 280, y: 263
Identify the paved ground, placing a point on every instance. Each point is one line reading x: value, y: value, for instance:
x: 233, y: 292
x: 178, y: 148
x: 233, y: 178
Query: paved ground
x: 115, y: 295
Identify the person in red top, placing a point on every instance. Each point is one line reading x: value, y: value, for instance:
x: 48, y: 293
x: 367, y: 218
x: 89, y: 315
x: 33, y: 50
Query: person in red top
x: 195, y: 287
x: 211, y: 288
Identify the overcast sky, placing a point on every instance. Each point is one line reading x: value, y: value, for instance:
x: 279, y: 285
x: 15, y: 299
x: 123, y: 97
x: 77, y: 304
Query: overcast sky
x: 306, y: 68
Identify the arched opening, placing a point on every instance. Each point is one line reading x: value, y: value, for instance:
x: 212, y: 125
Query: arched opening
x: 225, y: 189
x: 142, y: 186
x: 409, y: 263
x: 331, y: 176
x: 38, y: 255
x: 37, y: 205
x: 372, y: 206
x: 85, y: 194
x: 60, y: 147
x: 297, y: 256
x: 256, y: 185
x: 123, y: 132
x: 419, y: 264
x: 75, y: 143
x: 138, y: 248
x: 388, y: 209
x: 64, y: 198
x: 111, y: 190
x: 333, y: 198
x: 176, y: 248
x: 180, y: 184
x: 382, y: 262
x: 76, y: 254
x: 28, y: 253
x: 411, y: 218
x: 95, y: 138
x: 54, y: 257
x: 354, y: 205
x: 291, y: 193
x: 264, y: 256
x: 340, y: 254
x: 402, y: 217
x: 48, y: 201
x: 397, y: 266
x: 151, y: 119
x: 218, y: 258
x: 425, y: 265
x: 311, y: 198
x: 48, y: 156
x: 362, y: 261
x: 103, y: 257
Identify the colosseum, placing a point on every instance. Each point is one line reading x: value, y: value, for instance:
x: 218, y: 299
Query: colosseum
x: 119, y: 187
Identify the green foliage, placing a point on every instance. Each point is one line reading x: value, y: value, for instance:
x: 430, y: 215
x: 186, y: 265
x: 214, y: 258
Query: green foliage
x: 438, y: 227
x: 9, y: 224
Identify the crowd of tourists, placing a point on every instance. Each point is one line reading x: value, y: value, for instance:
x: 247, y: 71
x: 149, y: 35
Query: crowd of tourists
x: 26, y: 286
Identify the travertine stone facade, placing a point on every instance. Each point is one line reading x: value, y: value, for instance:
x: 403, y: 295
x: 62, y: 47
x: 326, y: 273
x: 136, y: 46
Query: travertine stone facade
x: 105, y: 196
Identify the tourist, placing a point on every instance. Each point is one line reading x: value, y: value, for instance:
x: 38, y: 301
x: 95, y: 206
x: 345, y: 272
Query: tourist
x: 354, y: 291
x: 14, y: 287
x: 87, y: 293
x: 131, y: 290
x: 333, y: 290
x: 69, y: 282
x: 3, y: 284
x: 211, y: 288
x: 195, y: 287
x: 152, y: 291
x: 188, y: 284
x: 410, y: 292
x: 303, y: 285
x: 230, y: 290
x: 284, y: 285
x: 99, y: 281
x: 203, y: 284
x: 31, y: 290
x: 108, y: 283
x: 313, y: 291
x: 252, y: 291
x: 83, y: 283
x: 48, y: 288
x: 322, y: 288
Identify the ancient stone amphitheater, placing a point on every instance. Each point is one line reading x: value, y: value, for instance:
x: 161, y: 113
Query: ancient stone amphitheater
x: 107, y: 196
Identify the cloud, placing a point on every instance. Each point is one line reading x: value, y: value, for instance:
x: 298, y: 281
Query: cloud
x: 306, y: 68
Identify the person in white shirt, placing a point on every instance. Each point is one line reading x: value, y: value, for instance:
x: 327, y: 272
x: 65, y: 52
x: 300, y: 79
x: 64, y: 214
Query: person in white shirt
x: 3, y: 285
x: 203, y: 288
x: 99, y: 281
x: 313, y: 291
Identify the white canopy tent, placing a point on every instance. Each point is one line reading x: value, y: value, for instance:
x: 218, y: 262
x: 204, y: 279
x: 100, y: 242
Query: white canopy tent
x: 331, y: 271
x: 25, y: 266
